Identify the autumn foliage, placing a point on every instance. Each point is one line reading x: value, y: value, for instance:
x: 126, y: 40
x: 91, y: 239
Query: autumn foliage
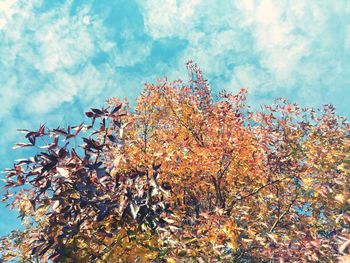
x: 185, y: 177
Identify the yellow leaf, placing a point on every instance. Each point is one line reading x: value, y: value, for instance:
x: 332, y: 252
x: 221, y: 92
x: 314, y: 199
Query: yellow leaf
x: 273, y: 237
x: 340, y: 198
x: 232, y: 245
x: 344, y: 167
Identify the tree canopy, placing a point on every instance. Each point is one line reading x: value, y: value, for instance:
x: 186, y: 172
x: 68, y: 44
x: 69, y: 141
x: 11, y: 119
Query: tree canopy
x: 185, y: 176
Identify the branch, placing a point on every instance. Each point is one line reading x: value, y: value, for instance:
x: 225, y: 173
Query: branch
x: 217, y: 190
x: 198, y: 138
x: 283, y: 214
x: 217, y: 184
x: 230, y: 207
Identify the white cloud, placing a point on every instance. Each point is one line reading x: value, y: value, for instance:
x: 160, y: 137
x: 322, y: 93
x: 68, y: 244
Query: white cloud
x: 273, y: 47
x: 7, y: 9
x: 169, y: 17
x: 63, y: 41
x: 135, y: 52
x: 46, y: 56
x: 249, y: 77
x: 280, y: 36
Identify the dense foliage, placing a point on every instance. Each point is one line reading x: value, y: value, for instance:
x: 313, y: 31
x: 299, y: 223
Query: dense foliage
x: 185, y: 177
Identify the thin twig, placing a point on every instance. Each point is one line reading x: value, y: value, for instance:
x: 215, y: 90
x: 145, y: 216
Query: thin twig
x: 230, y: 207
x: 283, y: 214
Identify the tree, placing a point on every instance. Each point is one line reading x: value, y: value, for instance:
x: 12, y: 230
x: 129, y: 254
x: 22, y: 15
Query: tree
x: 185, y: 176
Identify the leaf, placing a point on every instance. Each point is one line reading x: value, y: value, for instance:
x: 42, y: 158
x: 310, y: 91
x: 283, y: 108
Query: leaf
x: 21, y: 145
x: 156, y: 166
x: 55, y: 206
x: 134, y: 209
x: 97, y: 111
x: 344, y: 246
x: 340, y: 198
x: 116, y: 108
x: 273, y: 237
x: 36, y: 249
x: 103, y: 213
x: 63, y: 171
x: 89, y: 114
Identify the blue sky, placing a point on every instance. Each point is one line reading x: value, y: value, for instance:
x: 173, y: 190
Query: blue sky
x: 58, y: 58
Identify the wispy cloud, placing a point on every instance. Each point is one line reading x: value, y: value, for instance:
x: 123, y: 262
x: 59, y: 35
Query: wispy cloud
x: 46, y: 53
x: 169, y: 17
x: 289, y: 48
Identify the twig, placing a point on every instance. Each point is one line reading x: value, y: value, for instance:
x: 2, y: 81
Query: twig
x: 230, y: 207
x: 283, y: 214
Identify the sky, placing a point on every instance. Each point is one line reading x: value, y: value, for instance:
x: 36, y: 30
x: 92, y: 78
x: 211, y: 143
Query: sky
x: 58, y: 58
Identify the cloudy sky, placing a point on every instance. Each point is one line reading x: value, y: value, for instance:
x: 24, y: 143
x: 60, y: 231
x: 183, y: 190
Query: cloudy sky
x: 58, y: 58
